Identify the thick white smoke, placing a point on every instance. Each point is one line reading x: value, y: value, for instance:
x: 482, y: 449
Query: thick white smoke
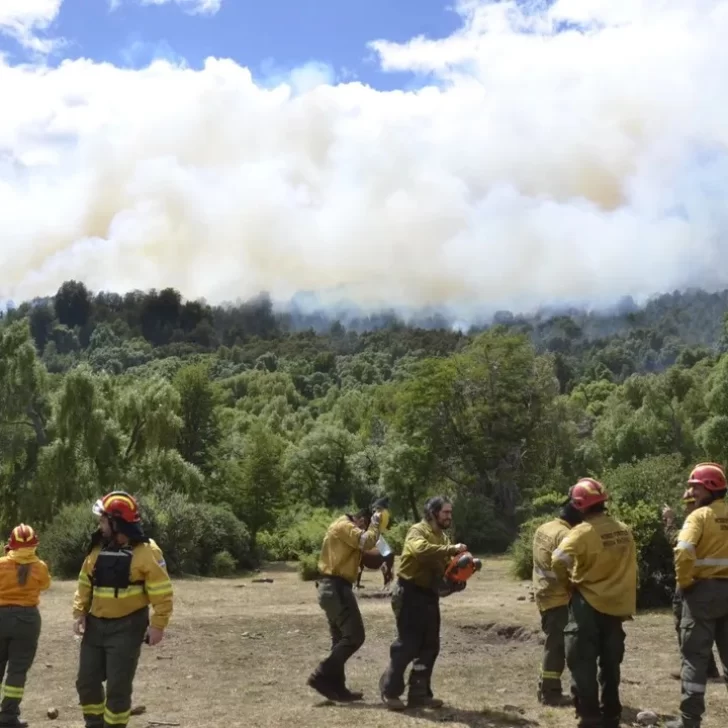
x: 572, y: 151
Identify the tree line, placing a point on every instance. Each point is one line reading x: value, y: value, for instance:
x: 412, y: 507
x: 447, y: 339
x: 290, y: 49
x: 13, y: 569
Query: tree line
x: 243, y: 429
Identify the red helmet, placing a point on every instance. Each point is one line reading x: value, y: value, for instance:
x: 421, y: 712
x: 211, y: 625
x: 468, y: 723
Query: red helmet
x: 462, y: 567
x: 22, y: 537
x: 587, y: 493
x: 709, y: 475
x: 118, y: 504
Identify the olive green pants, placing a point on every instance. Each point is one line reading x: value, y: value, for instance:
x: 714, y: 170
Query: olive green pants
x: 110, y: 651
x: 336, y: 598
x: 553, y: 662
x: 677, y: 606
x: 704, y: 622
x: 594, y: 653
x: 19, y: 634
x: 417, y: 612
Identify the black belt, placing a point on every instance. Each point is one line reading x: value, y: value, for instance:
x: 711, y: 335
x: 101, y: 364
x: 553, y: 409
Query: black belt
x: 411, y: 586
x: 337, y: 580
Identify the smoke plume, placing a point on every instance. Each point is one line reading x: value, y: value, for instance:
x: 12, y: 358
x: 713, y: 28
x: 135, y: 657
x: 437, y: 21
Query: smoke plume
x: 565, y: 151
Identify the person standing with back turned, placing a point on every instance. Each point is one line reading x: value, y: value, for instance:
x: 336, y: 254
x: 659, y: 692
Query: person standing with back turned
x: 598, y: 560
x: 23, y: 576
x: 122, y: 575
x: 701, y: 571
x: 552, y: 600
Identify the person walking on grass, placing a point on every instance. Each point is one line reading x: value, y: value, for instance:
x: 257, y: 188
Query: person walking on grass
x: 426, y: 555
x: 341, y: 552
x: 23, y: 576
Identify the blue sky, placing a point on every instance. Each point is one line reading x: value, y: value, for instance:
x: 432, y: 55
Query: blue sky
x: 275, y: 35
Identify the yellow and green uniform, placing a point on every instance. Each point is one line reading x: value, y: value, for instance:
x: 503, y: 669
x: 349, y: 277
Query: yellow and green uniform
x: 425, y: 556
x: 338, y: 565
x: 342, y: 548
x: 416, y: 604
x: 671, y: 533
x: 116, y: 588
x: 552, y: 600
x: 23, y: 576
x: 701, y: 572
x: 598, y: 558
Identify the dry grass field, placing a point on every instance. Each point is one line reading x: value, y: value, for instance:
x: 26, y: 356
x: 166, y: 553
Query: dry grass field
x: 238, y: 654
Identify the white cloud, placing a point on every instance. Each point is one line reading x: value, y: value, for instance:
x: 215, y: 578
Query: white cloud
x: 195, y: 7
x: 540, y: 166
x: 22, y: 19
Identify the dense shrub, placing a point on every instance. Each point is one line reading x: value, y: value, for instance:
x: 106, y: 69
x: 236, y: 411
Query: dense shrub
x: 223, y: 565
x: 222, y: 531
x: 63, y: 545
x: 297, y: 533
x: 308, y: 567
x: 190, y: 534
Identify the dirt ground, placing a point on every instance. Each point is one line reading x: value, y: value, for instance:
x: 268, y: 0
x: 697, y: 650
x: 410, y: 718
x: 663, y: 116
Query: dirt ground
x: 238, y: 654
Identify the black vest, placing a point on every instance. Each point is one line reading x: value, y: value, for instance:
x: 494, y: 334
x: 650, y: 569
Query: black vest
x: 112, y: 570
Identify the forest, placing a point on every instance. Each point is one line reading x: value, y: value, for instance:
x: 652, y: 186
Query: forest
x: 244, y: 430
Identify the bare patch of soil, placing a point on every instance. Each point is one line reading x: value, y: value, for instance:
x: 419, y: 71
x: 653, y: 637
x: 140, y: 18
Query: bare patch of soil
x: 495, y: 633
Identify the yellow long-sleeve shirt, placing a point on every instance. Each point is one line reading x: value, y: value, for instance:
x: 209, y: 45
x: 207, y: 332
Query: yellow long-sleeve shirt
x: 425, y: 556
x: 599, y: 558
x: 342, y: 548
x: 702, y: 545
x: 15, y: 594
x: 549, y: 591
x: 153, y: 588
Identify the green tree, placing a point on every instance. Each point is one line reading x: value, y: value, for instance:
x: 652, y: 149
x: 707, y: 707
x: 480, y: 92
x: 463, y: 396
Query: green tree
x: 200, y: 432
x: 252, y: 480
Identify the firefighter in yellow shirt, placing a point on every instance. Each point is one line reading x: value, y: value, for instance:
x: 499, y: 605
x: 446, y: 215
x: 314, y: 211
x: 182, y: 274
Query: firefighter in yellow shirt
x: 425, y: 557
x: 598, y: 561
x: 123, y: 574
x: 672, y: 531
x: 341, y: 552
x: 23, y: 576
x: 552, y: 600
x: 701, y: 572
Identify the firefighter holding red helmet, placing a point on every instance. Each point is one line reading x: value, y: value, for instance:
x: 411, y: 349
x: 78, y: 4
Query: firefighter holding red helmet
x: 701, y: 572
x: 597, y: 560
x: 123, y: 575
x: 426, y: 555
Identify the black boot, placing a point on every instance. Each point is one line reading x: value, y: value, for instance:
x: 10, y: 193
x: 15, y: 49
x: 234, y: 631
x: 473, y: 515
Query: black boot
x: 324, y: 686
